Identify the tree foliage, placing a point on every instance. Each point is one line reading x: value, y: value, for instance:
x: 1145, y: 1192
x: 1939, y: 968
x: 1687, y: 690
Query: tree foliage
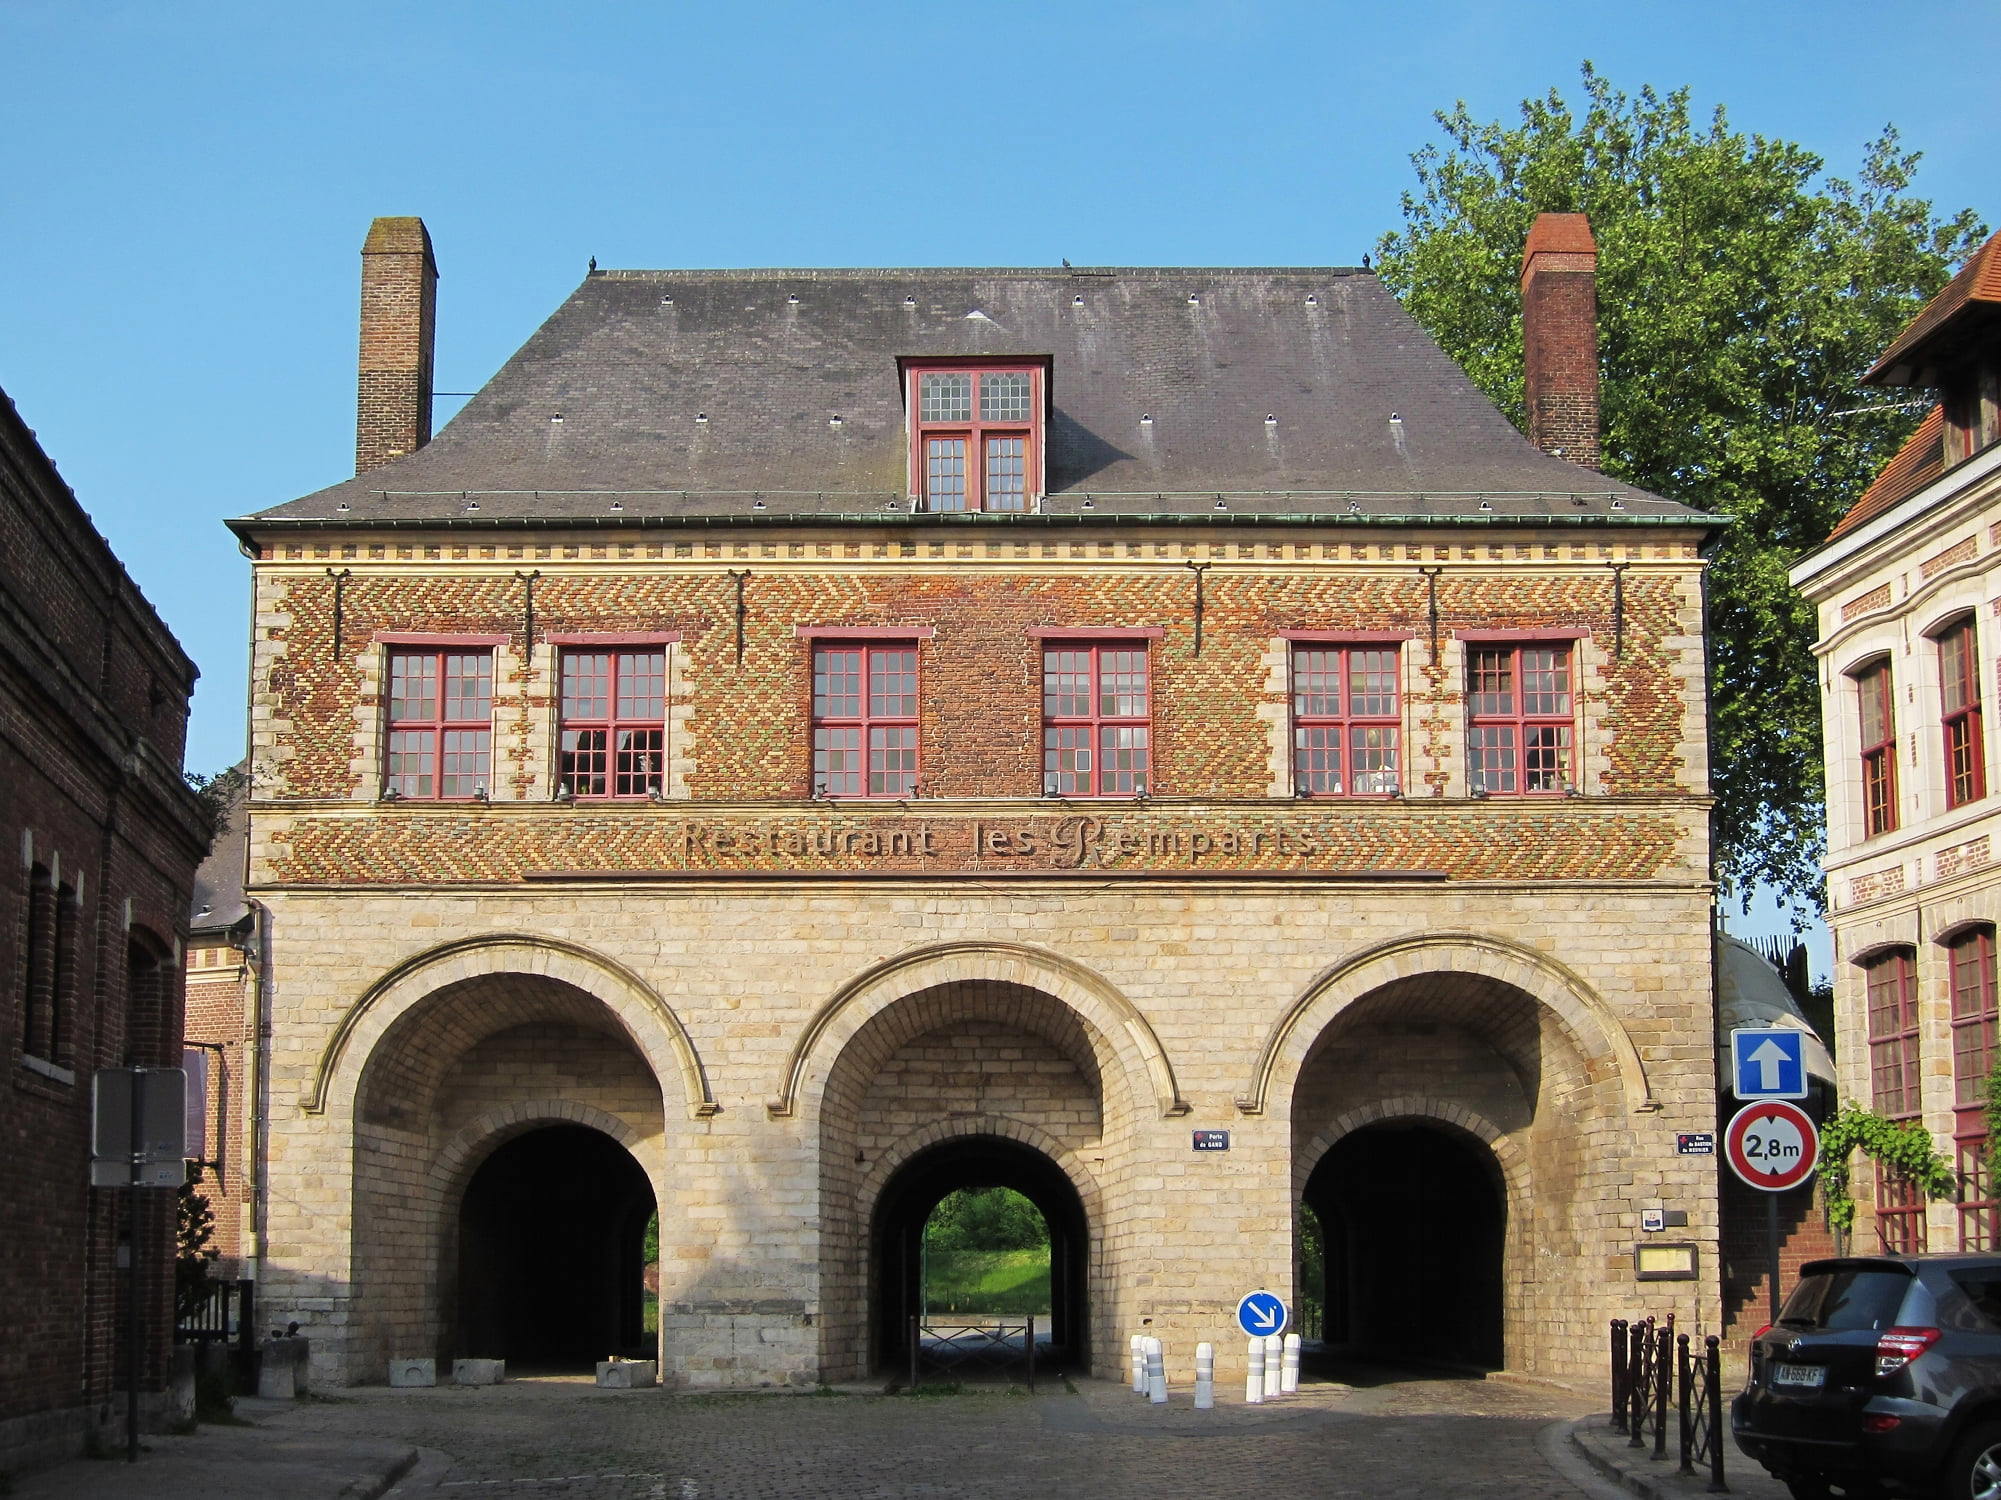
x: 993, y: 1218
x: 1741, y: 292
x: 194, y: 1227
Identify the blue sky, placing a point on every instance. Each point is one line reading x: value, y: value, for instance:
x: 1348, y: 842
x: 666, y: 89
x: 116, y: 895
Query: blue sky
x: 187, y: 186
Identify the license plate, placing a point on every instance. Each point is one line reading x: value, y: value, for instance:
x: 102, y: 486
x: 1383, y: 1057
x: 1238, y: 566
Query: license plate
x: 1806, y: 1375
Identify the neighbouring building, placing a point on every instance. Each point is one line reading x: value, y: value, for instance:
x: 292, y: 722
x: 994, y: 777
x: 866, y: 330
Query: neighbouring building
x: 801, y: 742
x: 102, y: 838
x: 1908, y: 590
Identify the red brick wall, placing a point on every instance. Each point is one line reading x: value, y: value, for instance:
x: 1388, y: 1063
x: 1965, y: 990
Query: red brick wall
x: 216, y: 1001
x: 1560, y: 352
x: 93, y: 704
x: 399, y: 291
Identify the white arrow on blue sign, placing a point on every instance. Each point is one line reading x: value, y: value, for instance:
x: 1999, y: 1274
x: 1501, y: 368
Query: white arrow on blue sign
x: 1261, y: 1313
x: 1768, y: 1062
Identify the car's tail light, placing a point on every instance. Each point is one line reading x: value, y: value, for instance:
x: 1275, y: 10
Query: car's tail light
x: 1897, y: 1347
x: 1761, y: 1333
x: 1877, y: 1421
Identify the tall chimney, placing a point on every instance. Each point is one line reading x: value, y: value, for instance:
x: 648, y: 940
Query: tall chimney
x: 399, y: 302
x: 1560, y: 337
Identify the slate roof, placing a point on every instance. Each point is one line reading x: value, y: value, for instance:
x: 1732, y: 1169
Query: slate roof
x: 690, y: 394
x: 217, y: 903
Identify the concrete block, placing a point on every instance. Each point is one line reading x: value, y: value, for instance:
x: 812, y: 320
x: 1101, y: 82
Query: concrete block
x: 478, y: 1371
x: 413, y: 1372
x: 626, y: 1374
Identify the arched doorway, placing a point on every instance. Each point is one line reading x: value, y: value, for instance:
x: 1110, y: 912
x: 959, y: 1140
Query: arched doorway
x: 550, y: 1261
x: 896, y: 1238
x: 1414, y: 1223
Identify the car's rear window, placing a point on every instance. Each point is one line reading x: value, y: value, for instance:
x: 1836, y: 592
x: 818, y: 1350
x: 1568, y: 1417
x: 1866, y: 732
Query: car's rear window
x: 1840, y: 1301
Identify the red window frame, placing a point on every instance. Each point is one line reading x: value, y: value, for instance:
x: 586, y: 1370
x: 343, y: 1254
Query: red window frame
x: 1347, y: 719
x: 612, y: 722
x: 1097, y: 718
x: 1900, y: 1213
x: 1876, y: 718
x: 991, y: 443
x: 1891, y: 990
x: 866, y: 740
x: 1976, y: 1018
x: 1959, y: 702
x: 444, y: 739
x: 1518, y: 744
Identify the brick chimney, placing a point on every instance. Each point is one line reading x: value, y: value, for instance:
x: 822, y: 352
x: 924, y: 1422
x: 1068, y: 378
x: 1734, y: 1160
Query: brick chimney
x: 1560, y: 337
x: 399, y: 302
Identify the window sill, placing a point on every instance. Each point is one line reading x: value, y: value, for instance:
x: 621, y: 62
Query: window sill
x: 47, y: 1069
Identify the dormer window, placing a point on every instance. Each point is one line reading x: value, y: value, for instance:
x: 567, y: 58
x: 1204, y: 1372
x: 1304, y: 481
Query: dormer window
x: 976, y: 435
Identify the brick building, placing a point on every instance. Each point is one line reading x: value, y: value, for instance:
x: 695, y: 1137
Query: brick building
x: 220, y: 1050
x: 799, y: 742
x: 102, y: 840
x: 1908, y: 590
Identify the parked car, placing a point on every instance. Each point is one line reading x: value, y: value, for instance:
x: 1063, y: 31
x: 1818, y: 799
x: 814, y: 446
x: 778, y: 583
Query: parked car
x: 1882, y: 1375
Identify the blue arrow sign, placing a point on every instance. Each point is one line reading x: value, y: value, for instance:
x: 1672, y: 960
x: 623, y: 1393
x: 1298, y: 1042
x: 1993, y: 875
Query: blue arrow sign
x: 1768, y: 1062
x: 1261, y: 1314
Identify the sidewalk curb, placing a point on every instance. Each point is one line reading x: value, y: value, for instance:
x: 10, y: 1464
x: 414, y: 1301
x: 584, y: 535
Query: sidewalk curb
x: 1636, y: 1483
x: 419, y: 1473
x: 374, y: 1487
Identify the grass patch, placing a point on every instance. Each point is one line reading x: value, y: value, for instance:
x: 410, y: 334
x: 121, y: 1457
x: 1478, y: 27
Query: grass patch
x: 649, y: 1312
x: 1012, y: 1283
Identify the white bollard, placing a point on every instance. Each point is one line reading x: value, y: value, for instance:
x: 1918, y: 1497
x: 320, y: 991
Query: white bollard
x: 1254, y: 1382
x: 1205, y: 1376
x: 1156, y: 1372
x: 1289, y: 1379
x: 1274, y: 1364
x: 1139, y: 1364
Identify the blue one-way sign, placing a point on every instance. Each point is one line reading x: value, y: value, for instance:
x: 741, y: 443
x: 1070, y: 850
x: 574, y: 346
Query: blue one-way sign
x: 1261, y: 1314
x: 1768, y: 1062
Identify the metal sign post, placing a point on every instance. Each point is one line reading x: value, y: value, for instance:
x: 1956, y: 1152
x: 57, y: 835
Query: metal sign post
x: 1772, y: 1146
x: 138, y: 1139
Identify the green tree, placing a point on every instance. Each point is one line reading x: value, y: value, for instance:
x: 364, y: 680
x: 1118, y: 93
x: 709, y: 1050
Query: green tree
x: 1741, y: 292
x: 194, y: 1227
x: 994, y: 1218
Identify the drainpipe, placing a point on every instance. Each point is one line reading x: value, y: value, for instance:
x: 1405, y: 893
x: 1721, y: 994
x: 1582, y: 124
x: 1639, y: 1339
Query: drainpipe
x: 256, y: 963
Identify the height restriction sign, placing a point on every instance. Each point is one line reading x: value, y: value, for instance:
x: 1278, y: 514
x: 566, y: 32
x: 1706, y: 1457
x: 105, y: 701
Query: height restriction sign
x: 1771, y: 1145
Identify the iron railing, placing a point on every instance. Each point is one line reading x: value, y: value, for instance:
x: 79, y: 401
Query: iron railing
x: 1649, y: 1363
x: 226, y: 1315
x: 977, y: 1348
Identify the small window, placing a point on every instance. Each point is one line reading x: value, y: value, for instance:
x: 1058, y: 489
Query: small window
x: 1518, y: 709
x: 440, y: 723
x: 1096, y: 720
x: 865, y: 720
x: 613, y: 727
x: 1346, y: 721
x: 1959, y: 701
x: 977, y: 437
x: 1879, y: 749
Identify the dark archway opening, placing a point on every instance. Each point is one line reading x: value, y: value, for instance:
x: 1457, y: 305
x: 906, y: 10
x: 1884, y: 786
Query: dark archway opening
x: 551, y: 1253
x: 896, y: 1238
x: 1414, y: 1224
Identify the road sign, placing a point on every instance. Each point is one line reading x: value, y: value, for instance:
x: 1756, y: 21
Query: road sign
x: 1261, y: 1314
x: 1695, y: 1143
x: 1768, y: 1062
x: 1771, y: 1145
x: 138, y: 1127
x: 1212, y: 1140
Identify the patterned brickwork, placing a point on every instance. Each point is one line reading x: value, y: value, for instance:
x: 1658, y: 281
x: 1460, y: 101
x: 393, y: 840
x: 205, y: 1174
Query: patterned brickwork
x: 1964, y: 550
x: 980, y: 690
x: 1861, y: 604
x: 1566, y: 840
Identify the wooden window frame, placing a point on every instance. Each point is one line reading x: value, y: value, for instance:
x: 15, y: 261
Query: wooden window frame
x: 1963, y: 742
x: 1976, y: 1030
x: 1890, y: 989
x: 1127, y: 781
x: 438, y: 726
x: 1348, y: 725
x: 976, y: 433
x: 622, y: 776
x: 872, y: 783
x: 1519, y: 722
x: 1878, y: 753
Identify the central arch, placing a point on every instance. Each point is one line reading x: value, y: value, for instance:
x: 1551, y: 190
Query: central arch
x: 904, y: 1205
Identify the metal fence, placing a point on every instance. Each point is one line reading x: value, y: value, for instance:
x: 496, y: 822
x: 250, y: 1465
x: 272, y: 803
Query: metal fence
x: 1650, y: 1362
x: 955, y: 1349
x: 226, y: 1315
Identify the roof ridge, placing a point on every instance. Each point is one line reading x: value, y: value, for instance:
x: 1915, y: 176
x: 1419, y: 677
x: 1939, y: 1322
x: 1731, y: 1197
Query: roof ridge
x: 898, y: 273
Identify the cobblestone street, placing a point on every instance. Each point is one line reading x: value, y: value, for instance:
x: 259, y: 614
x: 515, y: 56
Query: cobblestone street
x: 556, y: 1438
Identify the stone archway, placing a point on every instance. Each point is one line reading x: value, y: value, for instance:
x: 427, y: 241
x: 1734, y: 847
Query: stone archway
x: 1451, y: 1118
x: 955, y: 1060
x: 452, y: 1079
